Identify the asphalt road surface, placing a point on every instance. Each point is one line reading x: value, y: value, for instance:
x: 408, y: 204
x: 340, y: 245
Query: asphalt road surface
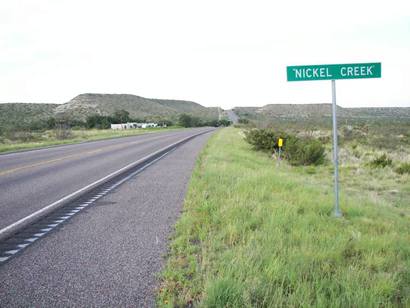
x: 32, y: 180
x: 232, y: 116
x: 109, y: 254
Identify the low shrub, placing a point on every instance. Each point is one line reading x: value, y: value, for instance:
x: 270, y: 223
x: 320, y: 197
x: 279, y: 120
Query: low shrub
x: 261, y: 139
x: 325, y: 139
x: 304, y: 151
x: 403, y: 168
x: 381, y: 161
x: 62, y: 132
x: 298, y: 151
x: 21, y: 136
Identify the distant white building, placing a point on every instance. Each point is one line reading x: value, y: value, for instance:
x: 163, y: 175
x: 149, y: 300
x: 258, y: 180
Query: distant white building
x: 147, y: 125
x: 118, y: 126
x: 133, y: 125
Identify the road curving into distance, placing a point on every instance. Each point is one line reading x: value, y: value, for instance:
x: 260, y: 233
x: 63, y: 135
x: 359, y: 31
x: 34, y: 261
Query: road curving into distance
x: 32, y: 180
x: 232, y: 116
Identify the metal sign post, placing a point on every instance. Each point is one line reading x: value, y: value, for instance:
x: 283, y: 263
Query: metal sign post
x: 335, y: 150
x: 333, y: 72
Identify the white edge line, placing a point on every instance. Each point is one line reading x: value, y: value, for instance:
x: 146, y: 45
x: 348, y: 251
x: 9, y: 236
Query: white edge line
x: 5, y: 232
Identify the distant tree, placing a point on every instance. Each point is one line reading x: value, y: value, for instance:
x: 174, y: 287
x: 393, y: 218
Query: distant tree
x: 35, y: 125
x: 77, y: 123
x: 213, y: 123
x: 185, y: 120
x: 224, y: 122
x: 91, y: 121
x: 196, y: 122
x: 122, y: 116
x: 98, y: 121
x: 51, y: 123
x: 165, y: 122
x: 104, y: 123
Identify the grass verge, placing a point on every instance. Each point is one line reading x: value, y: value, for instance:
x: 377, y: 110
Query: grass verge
x: 48, y: 138
x: 257, y: 234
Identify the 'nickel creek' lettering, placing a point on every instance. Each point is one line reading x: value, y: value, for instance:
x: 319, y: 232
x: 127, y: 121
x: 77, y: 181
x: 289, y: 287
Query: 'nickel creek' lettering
x: 334, y: 71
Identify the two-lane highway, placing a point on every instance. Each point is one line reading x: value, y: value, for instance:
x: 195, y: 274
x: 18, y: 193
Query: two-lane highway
x: 34, y: 179
x: 105, y: 249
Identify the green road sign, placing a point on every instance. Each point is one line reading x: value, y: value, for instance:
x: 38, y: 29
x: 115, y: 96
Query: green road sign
x: 334, y: 71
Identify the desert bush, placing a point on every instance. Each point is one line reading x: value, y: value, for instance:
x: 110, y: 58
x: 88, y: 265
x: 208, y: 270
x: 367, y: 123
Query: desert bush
x: 298, y: 151
x: 121, y: 116
x: 63, y: 131
x: 21, y: 136
x: 51, y: 123
x: 304, y: 151
x: 264, y: 139
x: 347, y: 132
x: 243, y: 121
x: 381, y: 162
x: 325, y: 139
x: 187, y: 120
x: 357, y: 153
x: 99, y: 121
x: 403, y: 168
x: 165, y: 123
x: 390, y: 142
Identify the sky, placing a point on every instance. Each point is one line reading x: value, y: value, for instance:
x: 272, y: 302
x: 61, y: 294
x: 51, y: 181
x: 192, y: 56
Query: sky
x: 216, y: 53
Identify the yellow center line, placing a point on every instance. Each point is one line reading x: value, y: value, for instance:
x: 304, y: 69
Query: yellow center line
x: 45, y: 162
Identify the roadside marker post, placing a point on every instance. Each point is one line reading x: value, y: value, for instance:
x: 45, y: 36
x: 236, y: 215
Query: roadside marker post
x: 280, y: 144
x: 333, y: 72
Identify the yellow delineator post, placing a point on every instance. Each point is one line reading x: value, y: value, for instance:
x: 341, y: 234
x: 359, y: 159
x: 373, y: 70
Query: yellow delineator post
x: 280, y: 144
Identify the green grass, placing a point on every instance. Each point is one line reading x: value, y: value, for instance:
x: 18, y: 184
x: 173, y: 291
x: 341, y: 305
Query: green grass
x: 255, y: 233
x: 48, y: 138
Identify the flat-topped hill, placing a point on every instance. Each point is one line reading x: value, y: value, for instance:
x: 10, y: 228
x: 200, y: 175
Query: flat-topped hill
x: 87, y: 104
x: 23, y: 115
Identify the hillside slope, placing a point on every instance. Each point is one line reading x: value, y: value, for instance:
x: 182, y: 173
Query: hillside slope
x: 20, y: 115
x: 189, y: 107
x: 15, y: 116
x: 139, y: 107
x: 303, y: 111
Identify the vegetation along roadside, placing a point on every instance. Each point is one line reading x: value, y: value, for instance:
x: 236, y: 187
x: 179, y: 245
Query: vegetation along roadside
x: 41, y: 139
x: 53, y: 131
x: 258, y: 233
